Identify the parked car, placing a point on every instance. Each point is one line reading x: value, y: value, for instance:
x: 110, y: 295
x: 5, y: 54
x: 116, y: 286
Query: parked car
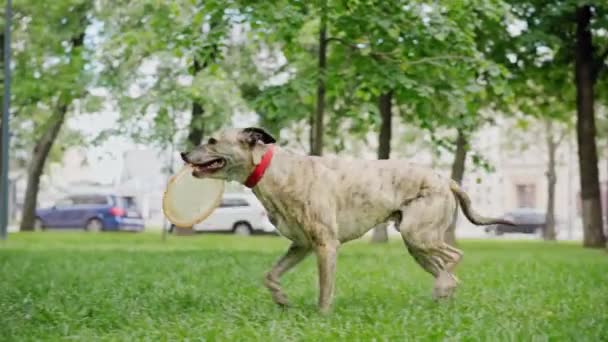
x: 93, y: 212
x: 238, y: 213
x: 527, y: 221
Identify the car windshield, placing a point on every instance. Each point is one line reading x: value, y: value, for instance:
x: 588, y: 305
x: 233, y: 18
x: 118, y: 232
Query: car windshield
x: 126, y: 202
x: 90, y: 200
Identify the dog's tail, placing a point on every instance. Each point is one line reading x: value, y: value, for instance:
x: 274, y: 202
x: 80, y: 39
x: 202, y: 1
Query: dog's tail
x: 465, y: 203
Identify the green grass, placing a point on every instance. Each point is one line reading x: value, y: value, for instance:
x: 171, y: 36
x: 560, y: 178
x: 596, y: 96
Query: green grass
x: 125, y: 287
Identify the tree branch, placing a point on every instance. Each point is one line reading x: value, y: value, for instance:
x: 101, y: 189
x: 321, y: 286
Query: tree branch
x: 562, y: 136
x: 434, y: 59
x: 341, y: 41
x: 374, y: 54
x: 381, y: 55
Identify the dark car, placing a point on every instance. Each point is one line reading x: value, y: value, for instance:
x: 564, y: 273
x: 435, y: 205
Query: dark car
x: 92, y: 212
x: 527, y: 221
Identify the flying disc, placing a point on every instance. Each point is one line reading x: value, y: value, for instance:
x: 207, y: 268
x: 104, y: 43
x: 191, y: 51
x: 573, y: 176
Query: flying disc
x: 189, y: 200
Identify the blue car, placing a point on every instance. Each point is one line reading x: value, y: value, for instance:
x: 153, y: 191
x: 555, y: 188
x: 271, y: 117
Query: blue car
x: 93, y: 213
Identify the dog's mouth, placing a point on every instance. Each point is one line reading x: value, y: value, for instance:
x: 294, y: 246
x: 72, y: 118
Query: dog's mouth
x: 210, y: 166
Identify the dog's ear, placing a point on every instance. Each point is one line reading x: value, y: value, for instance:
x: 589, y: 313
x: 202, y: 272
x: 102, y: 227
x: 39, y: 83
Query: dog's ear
x: 254, y: 135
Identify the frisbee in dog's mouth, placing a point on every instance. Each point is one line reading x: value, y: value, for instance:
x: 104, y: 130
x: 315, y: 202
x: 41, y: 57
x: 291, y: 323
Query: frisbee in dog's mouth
x: 210, y: 166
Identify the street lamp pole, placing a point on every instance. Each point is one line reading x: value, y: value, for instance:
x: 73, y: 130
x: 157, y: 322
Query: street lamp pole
x: 6, y: 104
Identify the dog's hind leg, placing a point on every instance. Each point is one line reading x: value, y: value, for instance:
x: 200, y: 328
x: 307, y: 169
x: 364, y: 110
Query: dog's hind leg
x: 292, y: 257
x: 422, y: 227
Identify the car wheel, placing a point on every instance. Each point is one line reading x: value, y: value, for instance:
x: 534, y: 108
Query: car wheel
x: 38, y: 225
x: 94, y: 225
x: 242, y: 228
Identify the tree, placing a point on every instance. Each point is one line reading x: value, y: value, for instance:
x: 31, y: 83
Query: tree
x: 400, y: 54
x: 196, y: 128
x: 553, y: 139
x: 558, y: 36
x: 318, y: 121
x: 384, y: 148
x: 545, y: 118
x: 162, y: 62
x: 300, y: 34
x: 200, y: 61
x: 52, y: 37
x: 587, y: 69
x: 457, y: 174
x: 480, y: 112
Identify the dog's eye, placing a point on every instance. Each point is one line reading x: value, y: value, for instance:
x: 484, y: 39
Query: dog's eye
x: 212, y: 141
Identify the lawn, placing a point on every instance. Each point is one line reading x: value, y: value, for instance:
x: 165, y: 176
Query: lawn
x: 124, y: 287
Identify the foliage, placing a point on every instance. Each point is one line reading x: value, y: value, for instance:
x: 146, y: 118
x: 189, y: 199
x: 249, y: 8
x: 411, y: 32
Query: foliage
x: 149, y: 49
x: 45, y: 67
x: 568, y: 40
x: 427, y: 53
x: 540, y: 52
x: 135, y: 287
x: 445, y: 61
x: 47, y: 71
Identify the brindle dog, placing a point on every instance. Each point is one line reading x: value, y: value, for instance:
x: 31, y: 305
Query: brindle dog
x: 320, y: 203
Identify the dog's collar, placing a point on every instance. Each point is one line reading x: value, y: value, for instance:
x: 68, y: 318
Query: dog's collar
x: 259, y: 170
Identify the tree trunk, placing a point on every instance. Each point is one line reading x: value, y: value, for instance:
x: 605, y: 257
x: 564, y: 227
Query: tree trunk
x: 593, y: 235
x: 196, y: 131
x: 43, y: 147
x: 384, y: 138
x: 380, y: 233
x: 458, y: 167
x: 196, y: 127
x: 311, y: 136
x: 39, y: 156
x: 317, y: 127
x: 549, y: 233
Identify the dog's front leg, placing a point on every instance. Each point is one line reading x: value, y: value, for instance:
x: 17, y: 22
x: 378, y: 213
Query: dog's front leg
x: 326, y: 261
x: 294, y: 255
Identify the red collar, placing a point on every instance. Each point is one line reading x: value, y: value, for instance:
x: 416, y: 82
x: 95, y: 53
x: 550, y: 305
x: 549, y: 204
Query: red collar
x: 259, y: 170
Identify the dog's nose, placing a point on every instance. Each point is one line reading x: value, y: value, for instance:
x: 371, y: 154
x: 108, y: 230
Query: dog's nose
x: 184, y: 156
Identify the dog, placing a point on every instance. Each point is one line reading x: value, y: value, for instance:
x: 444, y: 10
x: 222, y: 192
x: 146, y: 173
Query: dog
x: 320, y: 203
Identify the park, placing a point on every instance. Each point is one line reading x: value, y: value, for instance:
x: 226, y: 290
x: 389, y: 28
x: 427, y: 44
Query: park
x: 426, y: 134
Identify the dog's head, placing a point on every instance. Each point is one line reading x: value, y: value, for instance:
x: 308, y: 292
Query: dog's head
x: 229, y: 155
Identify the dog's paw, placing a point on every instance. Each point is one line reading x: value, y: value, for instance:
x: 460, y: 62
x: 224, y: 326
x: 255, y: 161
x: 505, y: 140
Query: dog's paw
x: 445, y: 286
x: 280, y: 299
x: 443, y: 293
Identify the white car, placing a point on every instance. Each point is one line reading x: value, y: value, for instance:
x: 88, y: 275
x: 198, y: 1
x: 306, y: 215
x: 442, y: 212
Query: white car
x: 239, y: 213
